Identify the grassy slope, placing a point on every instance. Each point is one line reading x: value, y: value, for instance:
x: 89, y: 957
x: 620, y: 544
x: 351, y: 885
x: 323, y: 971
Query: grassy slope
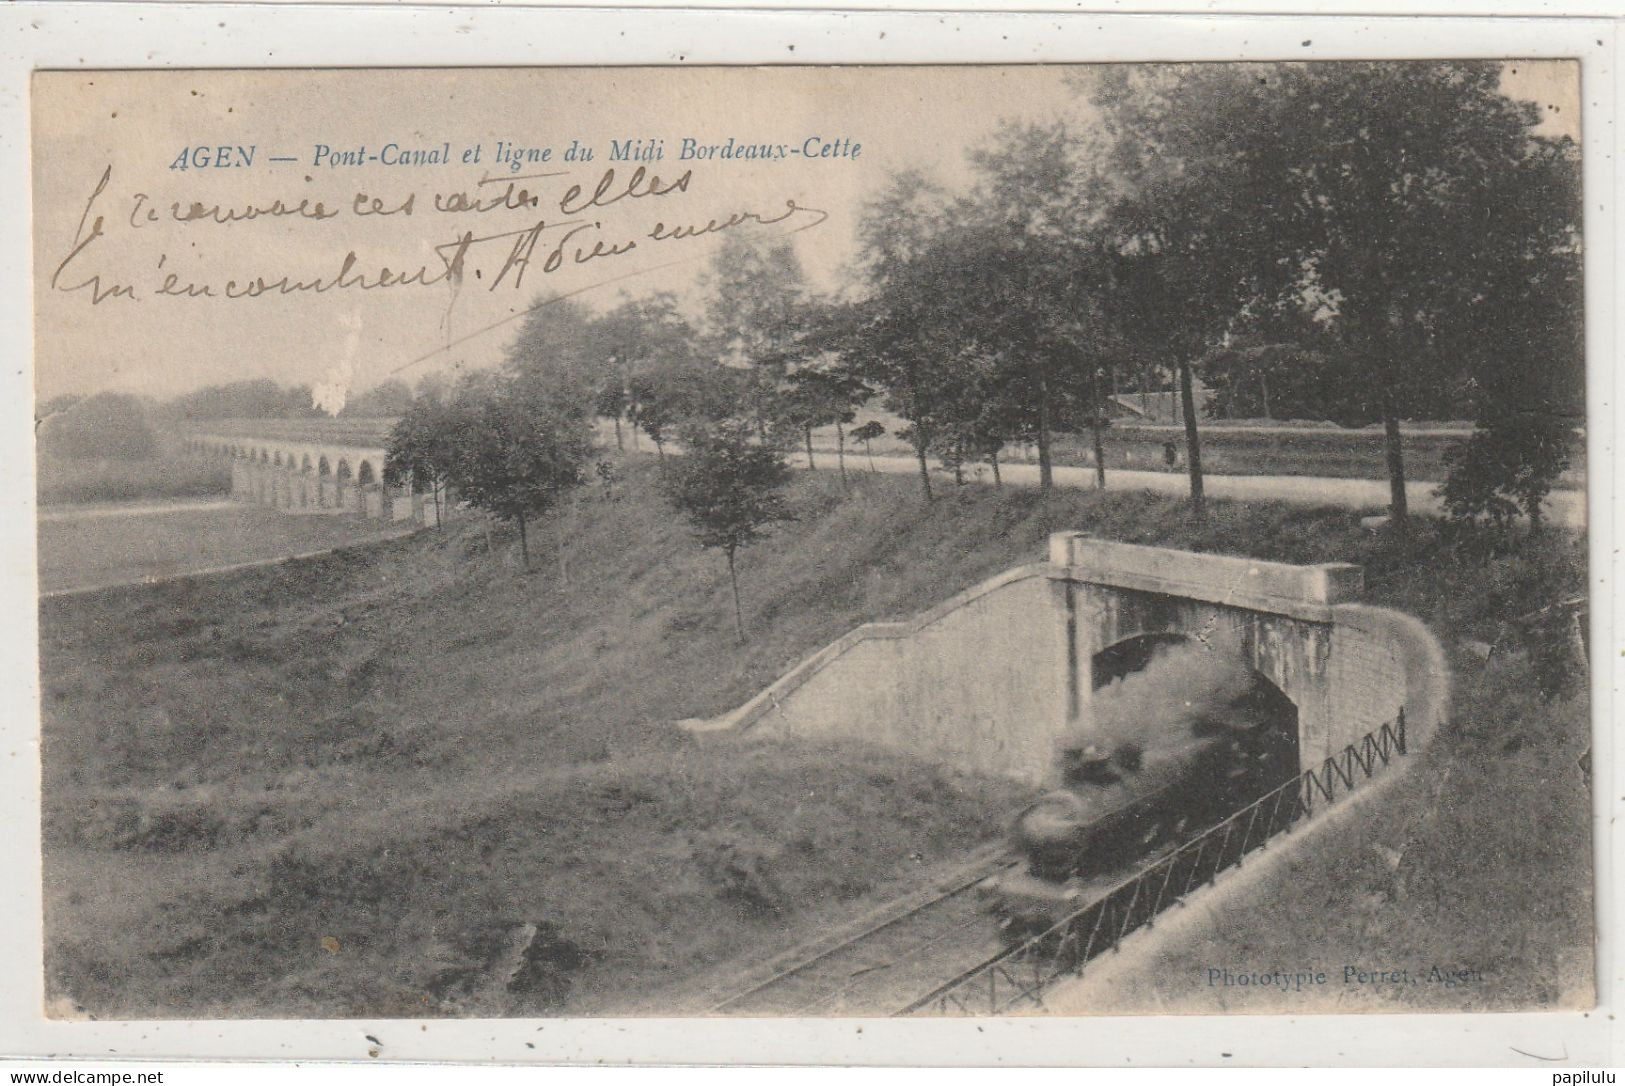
x: 415, y: 750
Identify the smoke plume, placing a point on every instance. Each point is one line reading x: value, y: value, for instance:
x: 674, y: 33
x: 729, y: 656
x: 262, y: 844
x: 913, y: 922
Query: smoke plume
x: 330, y: 394
x: 1183, y: 684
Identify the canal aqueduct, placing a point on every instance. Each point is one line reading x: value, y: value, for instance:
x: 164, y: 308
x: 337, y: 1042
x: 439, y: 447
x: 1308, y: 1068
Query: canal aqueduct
x: 313, y: 467
x: 990, y: 679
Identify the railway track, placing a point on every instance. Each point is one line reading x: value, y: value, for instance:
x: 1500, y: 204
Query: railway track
x: 890, y: 957
x: 882, y: 965
x: 939, y: 950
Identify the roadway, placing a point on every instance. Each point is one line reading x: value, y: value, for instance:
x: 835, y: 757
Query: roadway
x: 1563, y: 507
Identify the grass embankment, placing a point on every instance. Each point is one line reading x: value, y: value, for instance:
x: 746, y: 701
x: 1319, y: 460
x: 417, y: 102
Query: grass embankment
x: 345, y: 786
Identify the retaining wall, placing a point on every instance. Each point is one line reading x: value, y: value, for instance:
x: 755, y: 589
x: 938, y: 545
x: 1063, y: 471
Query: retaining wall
x: 991, y: 678
x: 970, y: 681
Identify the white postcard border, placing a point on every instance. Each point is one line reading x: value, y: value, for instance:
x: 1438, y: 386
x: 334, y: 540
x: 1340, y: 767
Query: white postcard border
x: 105, y: 35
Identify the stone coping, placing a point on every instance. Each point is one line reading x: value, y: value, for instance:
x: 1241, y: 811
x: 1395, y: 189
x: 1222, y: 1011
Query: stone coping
x: 1305, y: 592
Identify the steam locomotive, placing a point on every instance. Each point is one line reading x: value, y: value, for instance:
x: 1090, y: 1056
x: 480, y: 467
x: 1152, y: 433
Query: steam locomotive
x: 1122, y: 801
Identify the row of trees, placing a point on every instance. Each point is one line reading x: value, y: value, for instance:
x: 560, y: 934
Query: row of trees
x: 1355, y: 242
x: 1383, y: 240
x: 124, y: 426
x: 517, y: 441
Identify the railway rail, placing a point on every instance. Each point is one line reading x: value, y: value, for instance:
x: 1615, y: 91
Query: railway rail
x: 873, y: 970
x: 1018, y: 976
x: 944, y: 944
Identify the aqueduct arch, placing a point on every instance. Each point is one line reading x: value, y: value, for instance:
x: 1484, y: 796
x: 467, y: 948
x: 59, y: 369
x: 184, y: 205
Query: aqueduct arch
x: 311, y: 465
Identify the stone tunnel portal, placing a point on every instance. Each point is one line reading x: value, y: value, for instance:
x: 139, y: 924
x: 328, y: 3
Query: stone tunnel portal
x: 1264, y: 716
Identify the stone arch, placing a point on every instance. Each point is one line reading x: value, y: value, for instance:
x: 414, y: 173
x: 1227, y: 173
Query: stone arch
x: 323, y: 467
x: 304, y: 464
x: 265, y: 456
x: 366, y: 474
x: 343, y: 471
x: 276, y: 458
x: 1264, y: 719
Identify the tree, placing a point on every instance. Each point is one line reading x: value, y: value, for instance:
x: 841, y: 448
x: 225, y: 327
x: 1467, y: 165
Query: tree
x: 730, y: 486
x: 423, y: 445
x: 1506, y: 468
x: 261, y: 398
x: 1419, y: 205
x: 1428, y: 227
x: 667, y: 395
x: 1398, y: 203
x: 1031, y: 277
x: 557, y: 345
x: 388, y: 399
x: 520, y: 447
x: 56, y: 405
x: 985, y: 315
x: 1193, y: 233
x: 824, y: 394
x: 1525, y: 343
x: 756, y: 313
x: 435, y: 385
x: 106, y: 426
x: 866, y: 434
x: 895, y: 337
x: 1254, y: 378
x: 634, y: 340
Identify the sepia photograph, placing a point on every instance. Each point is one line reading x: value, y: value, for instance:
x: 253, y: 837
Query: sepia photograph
x: 815, y: 540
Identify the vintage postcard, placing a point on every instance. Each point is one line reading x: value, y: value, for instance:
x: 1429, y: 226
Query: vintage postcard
x: 833, y: 540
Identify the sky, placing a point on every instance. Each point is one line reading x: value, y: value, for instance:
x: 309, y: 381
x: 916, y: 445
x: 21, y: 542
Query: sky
x: 113, y: 310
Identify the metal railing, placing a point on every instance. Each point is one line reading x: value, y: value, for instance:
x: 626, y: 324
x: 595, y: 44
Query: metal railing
x: 1022, y: 973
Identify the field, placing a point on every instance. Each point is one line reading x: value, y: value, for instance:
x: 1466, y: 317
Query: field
x: 365, y: 784
x: 88, y: 548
